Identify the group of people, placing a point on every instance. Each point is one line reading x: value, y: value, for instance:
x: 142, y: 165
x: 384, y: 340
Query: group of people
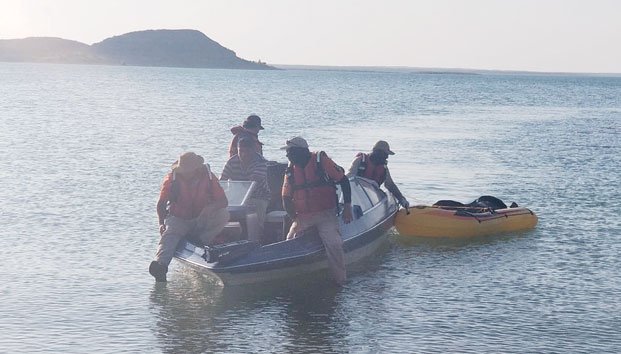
x: 192, y: 201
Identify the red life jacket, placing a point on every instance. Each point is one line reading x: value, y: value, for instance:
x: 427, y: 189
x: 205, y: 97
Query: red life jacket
x: 312, y: 189
x: 368, y: 169
x: 188, y: 198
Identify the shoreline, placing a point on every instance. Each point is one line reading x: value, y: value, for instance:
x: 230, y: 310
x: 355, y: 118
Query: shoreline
x: 369, y: 69
x: 437, y: 71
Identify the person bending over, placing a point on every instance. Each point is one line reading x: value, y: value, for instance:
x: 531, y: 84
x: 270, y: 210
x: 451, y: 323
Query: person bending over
x: 375, y: 166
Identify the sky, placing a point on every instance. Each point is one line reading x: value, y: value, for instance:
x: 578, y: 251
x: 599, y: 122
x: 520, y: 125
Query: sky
x: 528, y: 35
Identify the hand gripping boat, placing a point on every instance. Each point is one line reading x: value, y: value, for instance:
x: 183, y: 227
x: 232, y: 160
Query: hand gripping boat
x: 251, y: 261
x: 485, y: 216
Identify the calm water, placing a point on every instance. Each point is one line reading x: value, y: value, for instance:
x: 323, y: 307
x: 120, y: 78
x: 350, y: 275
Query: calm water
x: 83, y: 150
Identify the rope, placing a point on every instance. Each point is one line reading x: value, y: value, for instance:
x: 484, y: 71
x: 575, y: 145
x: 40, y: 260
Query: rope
x: 482, y: 209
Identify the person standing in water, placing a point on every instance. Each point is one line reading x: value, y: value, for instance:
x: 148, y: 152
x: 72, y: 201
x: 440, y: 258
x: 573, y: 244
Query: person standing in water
x: 309, y: 198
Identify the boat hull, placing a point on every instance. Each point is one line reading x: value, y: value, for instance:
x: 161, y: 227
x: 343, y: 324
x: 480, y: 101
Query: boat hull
x: 245, y: 262
x: 299, y: 257
x: 428, y: 221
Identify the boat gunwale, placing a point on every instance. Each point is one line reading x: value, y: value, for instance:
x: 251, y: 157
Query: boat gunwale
x: 311, y: 256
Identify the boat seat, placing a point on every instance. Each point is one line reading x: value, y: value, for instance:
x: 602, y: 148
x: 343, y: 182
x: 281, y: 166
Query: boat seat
x: 276, y: 216
x: 233, y: 225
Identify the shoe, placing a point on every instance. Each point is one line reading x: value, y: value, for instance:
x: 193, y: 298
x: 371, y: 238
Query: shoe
x: 158, y: 271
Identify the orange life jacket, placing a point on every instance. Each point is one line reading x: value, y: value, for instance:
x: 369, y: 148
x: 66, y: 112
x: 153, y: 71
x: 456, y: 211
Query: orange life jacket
x: 188, y: 198
x: 368, y: 169
x: 312, y: 189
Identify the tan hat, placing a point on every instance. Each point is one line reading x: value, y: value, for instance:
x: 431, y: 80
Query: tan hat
x: 296, y: 141
x: 188, y: 162
x: 383, y: 146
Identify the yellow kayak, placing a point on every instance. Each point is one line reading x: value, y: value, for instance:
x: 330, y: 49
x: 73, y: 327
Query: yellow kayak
x: 435, y: 221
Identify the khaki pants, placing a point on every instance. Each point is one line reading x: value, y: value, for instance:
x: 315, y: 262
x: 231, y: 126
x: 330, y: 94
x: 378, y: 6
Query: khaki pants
x: 326, y: 223
x: 205, y: 226
x: 260, y: 206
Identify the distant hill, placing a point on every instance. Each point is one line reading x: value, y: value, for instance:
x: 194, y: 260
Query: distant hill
x: 183, y: 48
x: 48, y: 50
x: 172, y: 48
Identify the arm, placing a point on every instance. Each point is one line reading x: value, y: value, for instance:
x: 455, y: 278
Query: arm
x: 337, y: 175
x: 346, y: 188
x: 225, y: 172
x: 392, y: 188
x: 353, y: 169
x: 233, y: 147
x: 287, y: 203
x: 220, y: 201
x: 162, y: 202
x: 287, y: 198
x: 161, y: 214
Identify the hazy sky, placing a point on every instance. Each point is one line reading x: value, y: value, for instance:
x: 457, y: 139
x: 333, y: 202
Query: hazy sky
x: 539, y: 35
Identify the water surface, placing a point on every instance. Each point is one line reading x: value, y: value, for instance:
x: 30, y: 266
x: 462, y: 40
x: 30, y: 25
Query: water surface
x: 83, y: 150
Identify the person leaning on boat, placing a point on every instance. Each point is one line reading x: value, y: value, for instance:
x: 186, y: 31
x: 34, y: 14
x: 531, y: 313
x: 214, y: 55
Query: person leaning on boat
x: 249, y: 165
x: 309, y: 198
x: 191, y: 202
x: 250, y: 128
x: 374, y: 166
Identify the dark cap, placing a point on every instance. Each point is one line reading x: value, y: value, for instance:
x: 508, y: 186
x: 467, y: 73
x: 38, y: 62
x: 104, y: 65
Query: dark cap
x: 383, y: 146
x: 253, y: 121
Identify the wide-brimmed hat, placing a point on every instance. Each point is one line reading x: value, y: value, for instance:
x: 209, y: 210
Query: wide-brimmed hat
x: 188, y: 162
x: 296, y: 141
x: 383, y: 146
x: 253, y: 121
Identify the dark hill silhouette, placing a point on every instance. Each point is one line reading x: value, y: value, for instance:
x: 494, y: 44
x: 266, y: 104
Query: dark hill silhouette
x: 48, y: 50
x: 185, y: 48
x: 173, y: 48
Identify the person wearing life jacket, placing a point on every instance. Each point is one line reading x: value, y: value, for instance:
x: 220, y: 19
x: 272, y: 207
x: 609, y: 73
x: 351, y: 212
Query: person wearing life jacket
x: 250, y: 128
x: 374, y: 166
x: 309, y: 198
x: 191, y: 202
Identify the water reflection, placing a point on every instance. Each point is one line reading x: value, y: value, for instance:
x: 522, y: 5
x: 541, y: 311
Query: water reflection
x: 193, y: 314
x: 182, y: 316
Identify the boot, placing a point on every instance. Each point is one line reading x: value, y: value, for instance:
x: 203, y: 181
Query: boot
x: 158, y: 271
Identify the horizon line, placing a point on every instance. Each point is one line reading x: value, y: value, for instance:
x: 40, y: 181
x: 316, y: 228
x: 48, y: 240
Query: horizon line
x: 374, y: 67
x: 435, y: 70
